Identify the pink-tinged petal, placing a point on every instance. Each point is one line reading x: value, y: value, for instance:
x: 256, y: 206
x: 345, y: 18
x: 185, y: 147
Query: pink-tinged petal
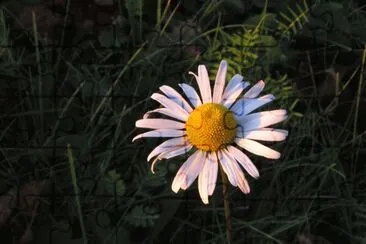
x: 171, y: 113
x: 220, y: 82
x: 244, y: 161
x: 173, y: 95
x: 226, y: 163
x: 265, y: 134
x: 178, y: 181
x: 194, y: 170
x: 159, y: 124
x: 203, y: 182
x: 255, y: 90
x: 234, y: 82
x: 257, y: 148
x: 242, y: 182
x: 230, y: 98
x: 170, y: 154
x: 160, y: 133
x: 169, y: 104
x: 246, y: 105
x: 261, y: 119
x: 213, y: 166
x: 188, y: 172
x: 176, y: 152
x: 168, y: 146
x: 191, y: 94
x: 204, y: 84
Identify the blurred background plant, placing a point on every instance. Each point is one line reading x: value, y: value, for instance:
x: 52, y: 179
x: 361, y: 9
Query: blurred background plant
x: 81, y: 72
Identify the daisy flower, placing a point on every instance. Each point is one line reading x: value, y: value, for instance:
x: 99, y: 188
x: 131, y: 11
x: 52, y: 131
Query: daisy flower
x: 217, y: 126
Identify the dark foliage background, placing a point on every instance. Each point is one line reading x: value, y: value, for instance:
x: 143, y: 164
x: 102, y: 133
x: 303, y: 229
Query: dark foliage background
x: 75, y: 76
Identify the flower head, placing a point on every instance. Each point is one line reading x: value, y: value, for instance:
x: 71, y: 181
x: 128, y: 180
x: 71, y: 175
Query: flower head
x: 217, y: 126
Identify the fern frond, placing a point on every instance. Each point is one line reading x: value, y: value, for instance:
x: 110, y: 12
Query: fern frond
x: 293, y: 22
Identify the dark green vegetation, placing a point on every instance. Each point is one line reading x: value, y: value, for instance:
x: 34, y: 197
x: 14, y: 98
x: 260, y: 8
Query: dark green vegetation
x: 76, y: 75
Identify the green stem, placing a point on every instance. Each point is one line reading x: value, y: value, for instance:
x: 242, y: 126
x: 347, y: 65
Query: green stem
x: 226, y: 205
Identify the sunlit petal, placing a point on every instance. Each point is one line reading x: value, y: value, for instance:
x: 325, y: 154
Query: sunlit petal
x: 257, y: 148
x: 219, y: 82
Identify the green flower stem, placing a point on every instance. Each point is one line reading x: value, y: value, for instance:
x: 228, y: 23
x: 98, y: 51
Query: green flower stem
x: 226, y: 205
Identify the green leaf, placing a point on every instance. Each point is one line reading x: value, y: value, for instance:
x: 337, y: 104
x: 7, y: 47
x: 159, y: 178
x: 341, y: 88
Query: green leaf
x: 114, y: 184
x: 143, y: 215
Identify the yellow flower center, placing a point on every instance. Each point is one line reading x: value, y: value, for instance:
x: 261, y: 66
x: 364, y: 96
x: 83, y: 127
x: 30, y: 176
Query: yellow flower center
x: 210, y: 127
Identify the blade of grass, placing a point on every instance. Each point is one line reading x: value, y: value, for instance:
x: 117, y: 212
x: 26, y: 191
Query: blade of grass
x: 76, y: 191
x: 358, y: 98
x: 158, y: 15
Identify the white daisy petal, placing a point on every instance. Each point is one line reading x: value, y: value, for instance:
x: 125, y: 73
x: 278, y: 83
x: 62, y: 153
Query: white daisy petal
x: 194, y: 170
x: 242, y: 182
x: 168, y: 146
x: 266, y: 134
x: 257, y: 148
x: 255, y: 90
x: 176, y: 152
x: 203, y: 182
x: 159, y: 124
x: 169, y: 104
x: 178, y: 181
x: 244, y: 161
x: 232, y: 96
x: 213, y: 166
x: 173, y: 95
x: 160, y: 133
x: 204, y: 84
x: 235, y: 80
x: 261, y: 119
x: 246, y: 105
x: 191, y: 94
x: 171, y: 113
x: 219, y: 82
x: 226, y: 162
x: 188, y: 172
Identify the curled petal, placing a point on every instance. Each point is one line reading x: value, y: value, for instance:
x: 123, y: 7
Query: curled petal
x: 160, y: 133
x: 168, y: 146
